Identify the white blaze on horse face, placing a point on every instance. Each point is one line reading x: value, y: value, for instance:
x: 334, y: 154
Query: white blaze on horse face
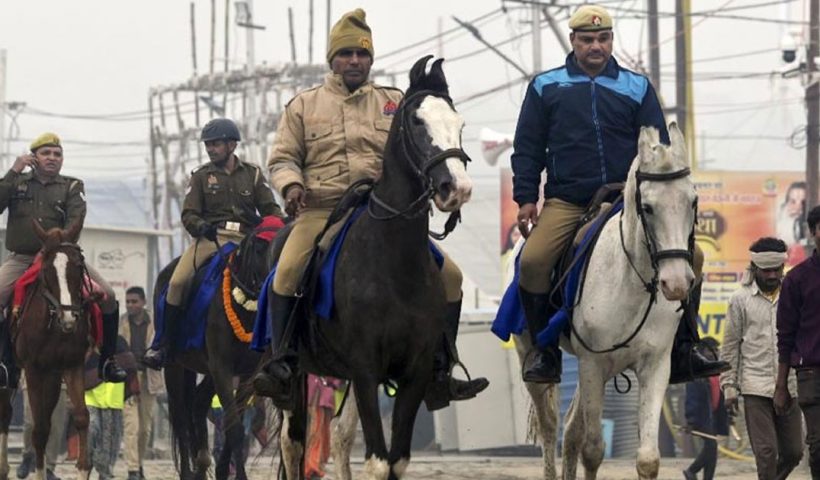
x: 61, y: 266
x: 444, y: 126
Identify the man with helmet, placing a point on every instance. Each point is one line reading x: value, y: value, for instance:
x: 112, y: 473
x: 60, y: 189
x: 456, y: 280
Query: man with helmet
x: 55, y: 201
x: 329, y: 137
x: 220, y: 196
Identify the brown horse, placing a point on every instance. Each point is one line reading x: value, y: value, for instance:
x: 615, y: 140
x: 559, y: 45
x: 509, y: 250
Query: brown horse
x: 51, y: 337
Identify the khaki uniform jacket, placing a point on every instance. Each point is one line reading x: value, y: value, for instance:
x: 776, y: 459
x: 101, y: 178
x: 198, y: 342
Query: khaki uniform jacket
x: 750, y: 345
x: 156, y: 383
x: 215, y: 196
x: 57, y: 203
x: 329, y: 138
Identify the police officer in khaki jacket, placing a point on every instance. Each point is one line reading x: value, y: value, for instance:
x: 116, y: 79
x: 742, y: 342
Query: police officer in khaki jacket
x: 55, y: 201
x: 329, y: 137
x: 221, y: 195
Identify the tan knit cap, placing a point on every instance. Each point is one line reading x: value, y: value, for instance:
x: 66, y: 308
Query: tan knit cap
x: 590, y: 18
x: 351, y: 31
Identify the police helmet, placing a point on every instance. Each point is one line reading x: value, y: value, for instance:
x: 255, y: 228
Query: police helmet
x: 220, y: 129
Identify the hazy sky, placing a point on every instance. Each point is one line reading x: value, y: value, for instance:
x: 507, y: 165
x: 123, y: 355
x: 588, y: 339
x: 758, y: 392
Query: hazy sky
x: 100, y: 57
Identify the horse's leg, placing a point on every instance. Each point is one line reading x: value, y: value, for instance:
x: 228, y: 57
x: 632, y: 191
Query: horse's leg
x: 367, y: 399
x: 294, y: 434
x: 43, y: 389
x: 344, y: 433
x: 6, y: 395
x: 591, y: 400
x: 573, y: 436
x: 653, y: 378
x: 232, y: 425
x: 75, y: 384
x: 408, y: 400
x: 545, y: 406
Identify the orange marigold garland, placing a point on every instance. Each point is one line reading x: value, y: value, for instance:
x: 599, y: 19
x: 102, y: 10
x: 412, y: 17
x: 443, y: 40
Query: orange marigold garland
x: 233, y: 319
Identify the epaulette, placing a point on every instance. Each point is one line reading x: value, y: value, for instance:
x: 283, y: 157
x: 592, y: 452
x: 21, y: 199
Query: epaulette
x: 386, y: 87
x: 302, y: 93
x: 199, y: 168
x: 72, y: 182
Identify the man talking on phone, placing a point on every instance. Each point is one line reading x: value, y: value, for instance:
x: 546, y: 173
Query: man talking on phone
x: 55, y: 201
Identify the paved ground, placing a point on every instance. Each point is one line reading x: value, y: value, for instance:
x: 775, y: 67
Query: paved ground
x: 468, y: 468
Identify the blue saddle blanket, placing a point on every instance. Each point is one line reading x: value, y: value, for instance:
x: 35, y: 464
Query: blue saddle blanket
x: 510, y: 317
x: 192, y: 330
x: 323, y: 294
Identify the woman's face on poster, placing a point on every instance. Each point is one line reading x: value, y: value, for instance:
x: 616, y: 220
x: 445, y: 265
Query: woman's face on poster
x: 794, y: 202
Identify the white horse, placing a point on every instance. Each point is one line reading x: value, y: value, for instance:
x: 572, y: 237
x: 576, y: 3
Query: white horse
x: 646, y: 248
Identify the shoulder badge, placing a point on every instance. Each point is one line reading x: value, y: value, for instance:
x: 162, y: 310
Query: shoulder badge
x: 390, y: 108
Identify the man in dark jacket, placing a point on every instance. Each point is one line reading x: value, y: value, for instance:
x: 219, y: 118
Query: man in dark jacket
x: 798, y: 342
x: 580, y: 122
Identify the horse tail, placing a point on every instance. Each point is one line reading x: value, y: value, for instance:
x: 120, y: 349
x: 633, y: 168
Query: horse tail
x: 269, y: 433
x: 181, y: 386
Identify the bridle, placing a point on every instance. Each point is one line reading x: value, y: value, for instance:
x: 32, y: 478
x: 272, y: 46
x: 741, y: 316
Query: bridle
x: 411, y: 149
x: 650, y: 242
x: 55, y: 307
x: 655, y: 255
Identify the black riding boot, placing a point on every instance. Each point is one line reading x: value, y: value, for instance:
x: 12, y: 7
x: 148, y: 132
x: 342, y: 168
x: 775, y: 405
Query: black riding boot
x: 545, y: 366
x: 9, y: 373
x: 108, y: 369
x: 444, y: 387
x: 155, y: 358
x: 687, y: 362
x: 275, y: 377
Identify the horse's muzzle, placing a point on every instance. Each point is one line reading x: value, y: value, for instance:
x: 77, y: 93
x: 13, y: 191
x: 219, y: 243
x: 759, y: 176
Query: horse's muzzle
x: 455, y: 190
x: 675, y: 279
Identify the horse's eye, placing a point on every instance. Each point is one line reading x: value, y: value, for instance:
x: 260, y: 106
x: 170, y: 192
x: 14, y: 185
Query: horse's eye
x: 648, y: 209
x: 417, y: 121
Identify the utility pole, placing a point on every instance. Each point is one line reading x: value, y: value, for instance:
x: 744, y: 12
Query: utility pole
x: 683, y: 77
x: 3, y: 152
x: 813, y: 107
x: 654, y: 46
x: 535, y: 16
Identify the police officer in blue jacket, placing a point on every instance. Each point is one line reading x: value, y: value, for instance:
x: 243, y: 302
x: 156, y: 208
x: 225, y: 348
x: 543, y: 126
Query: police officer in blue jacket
x: 581, y: 123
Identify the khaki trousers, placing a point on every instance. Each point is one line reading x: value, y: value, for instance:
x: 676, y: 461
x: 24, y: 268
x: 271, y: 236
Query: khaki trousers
x: 299, y: 245
x: 549, y: 239
x: 17, y: 264
x: 777, y: 440
x: 193, y: 259
x: 138, y: 415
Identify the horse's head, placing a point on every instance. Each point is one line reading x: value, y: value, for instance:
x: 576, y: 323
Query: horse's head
x: 430, y: 136
x: 62, y: 273
x: 664, y: 199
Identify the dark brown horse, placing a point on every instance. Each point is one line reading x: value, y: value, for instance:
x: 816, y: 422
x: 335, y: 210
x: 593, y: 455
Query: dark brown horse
x: 224, y: 356
x: 51, y: 337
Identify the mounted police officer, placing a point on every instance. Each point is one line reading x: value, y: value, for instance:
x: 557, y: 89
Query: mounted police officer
x: 55, y: 201
x: 221, y: 197
x: 329, y: 137
x: 581, y: 122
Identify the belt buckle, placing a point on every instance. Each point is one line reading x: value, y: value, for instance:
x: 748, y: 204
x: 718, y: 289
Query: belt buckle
x: 233, y: 226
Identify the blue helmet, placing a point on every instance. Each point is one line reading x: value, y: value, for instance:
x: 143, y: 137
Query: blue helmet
x: 220, y: 129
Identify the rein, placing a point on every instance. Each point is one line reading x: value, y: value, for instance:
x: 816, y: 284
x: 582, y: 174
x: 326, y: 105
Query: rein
x: 409, y: 147
x: 655, y: 256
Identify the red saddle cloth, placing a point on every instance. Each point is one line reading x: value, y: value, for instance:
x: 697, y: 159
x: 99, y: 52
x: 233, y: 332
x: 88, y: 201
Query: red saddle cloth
x: 93, y: 309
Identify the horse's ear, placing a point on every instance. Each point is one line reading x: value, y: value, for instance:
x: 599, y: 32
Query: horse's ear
x: 417, y: 72
x: 678, y: 141
x: 646, y: 142
x: 38, y: 230
x: 72, y: 233
x: 436, y: 78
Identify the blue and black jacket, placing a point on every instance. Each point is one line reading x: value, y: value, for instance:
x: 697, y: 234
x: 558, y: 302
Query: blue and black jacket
x: 582, y: 130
